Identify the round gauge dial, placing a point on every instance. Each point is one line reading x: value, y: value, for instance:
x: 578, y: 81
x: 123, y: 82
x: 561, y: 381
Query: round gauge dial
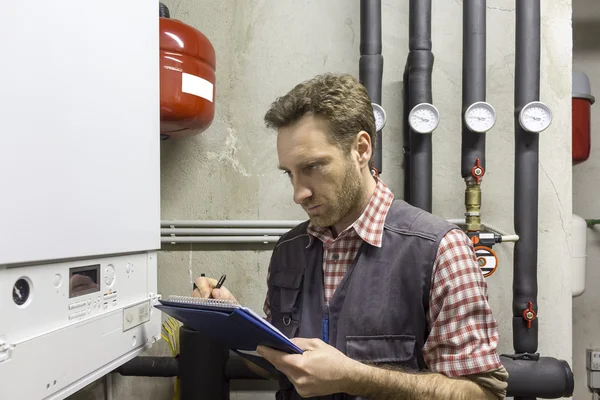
x: 21, y: 291
x: 480, y: 117
x: 535, y: 117
x: 380, y: 116
x: 424, y: 118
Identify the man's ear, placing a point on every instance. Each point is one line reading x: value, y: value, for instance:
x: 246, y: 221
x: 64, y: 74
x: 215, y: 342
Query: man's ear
x: 363, y: 148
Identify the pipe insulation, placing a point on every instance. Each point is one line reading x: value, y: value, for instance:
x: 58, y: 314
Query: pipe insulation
x: 473, y: 80
x: 418, y: 84
x: 527, y: 89
x: 370, y: 67
x: 546, y: 377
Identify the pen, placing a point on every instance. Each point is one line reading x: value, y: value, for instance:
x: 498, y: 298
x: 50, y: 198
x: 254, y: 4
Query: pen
x: 219, y: 283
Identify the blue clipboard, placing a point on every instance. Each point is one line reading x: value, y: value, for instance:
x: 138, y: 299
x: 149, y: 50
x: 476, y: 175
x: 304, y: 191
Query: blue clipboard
x: 236, y: 327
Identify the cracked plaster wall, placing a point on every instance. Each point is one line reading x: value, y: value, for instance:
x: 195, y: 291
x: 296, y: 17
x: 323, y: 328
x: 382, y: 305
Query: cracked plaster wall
x: 229, y: 172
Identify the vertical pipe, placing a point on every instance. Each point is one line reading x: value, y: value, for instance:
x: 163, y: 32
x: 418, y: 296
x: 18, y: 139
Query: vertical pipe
x: 202, y: 365
x: 421, y: 160
x: 406, y: 133
x: 420, y: 68
x: 370, y: 66
x: 527, y: 89
x: 419, y: 25
x: 473, y: 80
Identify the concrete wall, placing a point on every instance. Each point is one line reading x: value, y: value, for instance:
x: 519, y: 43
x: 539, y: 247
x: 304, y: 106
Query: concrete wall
x: 586, y: 308
x: 229, y: 172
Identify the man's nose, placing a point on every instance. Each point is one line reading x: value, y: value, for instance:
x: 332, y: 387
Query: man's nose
x: 301, y: 193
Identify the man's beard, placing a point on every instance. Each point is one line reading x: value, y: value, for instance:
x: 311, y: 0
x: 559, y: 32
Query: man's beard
x: 344, y: 201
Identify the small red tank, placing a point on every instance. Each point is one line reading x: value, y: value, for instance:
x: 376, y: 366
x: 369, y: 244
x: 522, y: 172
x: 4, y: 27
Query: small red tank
x: 187, y: 79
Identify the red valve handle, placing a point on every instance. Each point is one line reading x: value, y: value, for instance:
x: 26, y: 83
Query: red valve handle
x: 477, y: 171
x: 529, y: 315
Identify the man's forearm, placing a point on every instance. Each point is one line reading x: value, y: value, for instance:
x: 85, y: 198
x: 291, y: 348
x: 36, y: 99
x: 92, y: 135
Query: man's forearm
x: 385, y: 384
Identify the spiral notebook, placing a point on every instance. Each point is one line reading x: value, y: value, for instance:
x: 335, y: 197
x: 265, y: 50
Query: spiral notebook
x: 232, y: 325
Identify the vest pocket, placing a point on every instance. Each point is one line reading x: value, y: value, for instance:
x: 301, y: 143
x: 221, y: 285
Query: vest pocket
x: 286, y: 288
x: 384, y: 349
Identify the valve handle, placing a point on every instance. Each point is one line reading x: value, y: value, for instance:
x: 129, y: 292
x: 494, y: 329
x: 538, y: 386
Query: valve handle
x: 529, y: 314
x: 477, y: 171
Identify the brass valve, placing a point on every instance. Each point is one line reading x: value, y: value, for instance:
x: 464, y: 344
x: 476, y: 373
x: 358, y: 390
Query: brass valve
x: 473, y: 198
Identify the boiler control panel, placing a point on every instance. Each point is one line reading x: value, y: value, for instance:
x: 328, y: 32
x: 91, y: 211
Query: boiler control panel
x: 38, y: 299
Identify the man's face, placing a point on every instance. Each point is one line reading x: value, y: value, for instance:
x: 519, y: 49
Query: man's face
x: 326, y: 181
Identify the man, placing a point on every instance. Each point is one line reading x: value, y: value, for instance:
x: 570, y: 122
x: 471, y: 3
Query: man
x: 386, y: 300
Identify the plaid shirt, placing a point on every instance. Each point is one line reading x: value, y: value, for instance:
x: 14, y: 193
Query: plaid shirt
x: 463, y: 332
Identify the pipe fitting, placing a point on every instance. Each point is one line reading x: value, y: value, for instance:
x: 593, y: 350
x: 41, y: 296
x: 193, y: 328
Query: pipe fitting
x: 473, y: 206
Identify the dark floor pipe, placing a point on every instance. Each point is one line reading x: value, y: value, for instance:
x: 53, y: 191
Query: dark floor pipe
x: 370, y: 66
x: 547, y: 378
x: 150, y: 366
x: 202, y: 366
x: 473, y: 80
x: 418, y: 89
x: 527, y: 89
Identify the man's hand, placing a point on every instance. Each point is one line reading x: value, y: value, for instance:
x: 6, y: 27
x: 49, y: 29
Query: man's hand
x: 320, y: 370
x: 206, y: 288
x: 323, y: 370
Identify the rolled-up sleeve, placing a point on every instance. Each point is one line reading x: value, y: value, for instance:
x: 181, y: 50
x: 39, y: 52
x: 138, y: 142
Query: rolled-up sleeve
x: 463, y: 335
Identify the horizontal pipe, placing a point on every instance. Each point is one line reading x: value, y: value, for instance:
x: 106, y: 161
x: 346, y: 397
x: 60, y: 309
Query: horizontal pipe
x: 223, y: 231
x: 219, y: 239
x: 150, y: 366
x: 547, y: 378
x: 230, y: 223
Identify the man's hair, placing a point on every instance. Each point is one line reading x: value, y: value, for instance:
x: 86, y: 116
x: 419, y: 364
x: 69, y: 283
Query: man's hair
x: 339, y: 99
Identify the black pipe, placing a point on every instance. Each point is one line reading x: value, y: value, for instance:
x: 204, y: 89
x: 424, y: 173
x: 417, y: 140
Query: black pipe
x: 419, y: 25
x: 527, y: 89
x: 163, y: 11
x: 420, y: 67
x: 202, y: 365
x: 370, y: 65
x: 473, y: 80
x: 546, y: 377
x: 150, y: 366
x: 406, y: 133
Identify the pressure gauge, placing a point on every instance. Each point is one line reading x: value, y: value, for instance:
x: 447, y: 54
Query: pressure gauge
x: 380, y: 117
x: 423, y: 118
x: 535, y: 117
x: 480, y: 117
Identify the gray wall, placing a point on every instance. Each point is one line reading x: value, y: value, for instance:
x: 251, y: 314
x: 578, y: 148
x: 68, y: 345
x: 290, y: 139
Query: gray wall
x: 586, y: 315
x: 229, y: 172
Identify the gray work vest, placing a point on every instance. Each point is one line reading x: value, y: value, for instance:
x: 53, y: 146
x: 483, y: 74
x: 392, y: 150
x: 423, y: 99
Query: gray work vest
x: 378, y: 312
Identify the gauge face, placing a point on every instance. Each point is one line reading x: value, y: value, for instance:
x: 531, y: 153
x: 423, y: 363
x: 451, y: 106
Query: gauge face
x: 480, y: 117
x: 21, y: 292
x: 423, y: 118
x: 535, y: 117
x: 380, y: 116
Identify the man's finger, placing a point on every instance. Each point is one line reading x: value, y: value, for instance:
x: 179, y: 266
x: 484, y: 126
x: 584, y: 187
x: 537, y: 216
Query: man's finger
x: 204, y: 286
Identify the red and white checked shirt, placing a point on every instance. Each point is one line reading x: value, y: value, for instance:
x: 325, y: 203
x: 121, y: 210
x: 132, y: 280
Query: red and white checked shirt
x: 463, y: 332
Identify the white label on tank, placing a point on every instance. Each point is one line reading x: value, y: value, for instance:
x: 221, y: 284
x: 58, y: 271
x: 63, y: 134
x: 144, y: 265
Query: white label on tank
x: 197, y: 86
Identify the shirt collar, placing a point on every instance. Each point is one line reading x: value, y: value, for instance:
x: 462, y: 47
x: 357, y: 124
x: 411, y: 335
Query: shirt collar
x: 369, y: 226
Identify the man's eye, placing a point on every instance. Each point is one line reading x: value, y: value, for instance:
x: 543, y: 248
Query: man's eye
x: 288, y: 173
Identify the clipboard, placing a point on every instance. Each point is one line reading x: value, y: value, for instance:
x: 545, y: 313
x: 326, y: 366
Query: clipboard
x: 232, y: 325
